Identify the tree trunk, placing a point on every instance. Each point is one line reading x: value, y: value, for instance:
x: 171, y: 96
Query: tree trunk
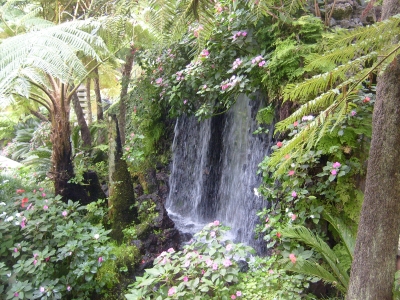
x: 374, y: 264
x: 126, y: 76
x: 85, y: 132
x: 88, y: 101
x: 99, y: 105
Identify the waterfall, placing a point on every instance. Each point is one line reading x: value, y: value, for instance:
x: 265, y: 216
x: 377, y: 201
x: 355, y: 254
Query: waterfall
x: 214, y: 172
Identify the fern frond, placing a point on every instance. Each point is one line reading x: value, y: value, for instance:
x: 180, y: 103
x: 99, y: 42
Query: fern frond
x: 307, y: 237
x: 312, y: 268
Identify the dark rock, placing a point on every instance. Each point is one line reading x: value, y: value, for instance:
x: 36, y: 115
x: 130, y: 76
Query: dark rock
x: 243, y: 265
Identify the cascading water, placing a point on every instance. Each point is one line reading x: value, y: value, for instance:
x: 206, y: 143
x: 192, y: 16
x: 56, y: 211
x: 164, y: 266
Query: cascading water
x: 214, y: 168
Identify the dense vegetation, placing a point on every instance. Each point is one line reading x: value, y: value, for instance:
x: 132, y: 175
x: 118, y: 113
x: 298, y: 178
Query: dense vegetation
x: 75, y: 217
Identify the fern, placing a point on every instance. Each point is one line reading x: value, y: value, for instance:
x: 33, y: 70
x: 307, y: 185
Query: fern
x: 349, y: 57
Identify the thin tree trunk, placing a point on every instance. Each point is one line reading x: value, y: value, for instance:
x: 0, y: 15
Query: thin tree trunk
x: 38, y: 115
x: 126, y: 76
x: 99, y: 105
x: 374, y: 264
x: 85, y: 132
x: 88, y: 101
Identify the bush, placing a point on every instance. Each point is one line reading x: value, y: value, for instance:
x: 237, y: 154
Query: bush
x: 48, y: 249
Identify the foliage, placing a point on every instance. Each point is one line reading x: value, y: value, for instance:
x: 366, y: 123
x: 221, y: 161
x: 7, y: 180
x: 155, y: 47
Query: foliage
x: 207, y: 268
x: 347, y: 63
x: 48, y: 248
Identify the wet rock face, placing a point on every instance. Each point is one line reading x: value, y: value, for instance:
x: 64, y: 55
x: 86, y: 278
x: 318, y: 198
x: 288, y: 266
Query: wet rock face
x: 158, y: 233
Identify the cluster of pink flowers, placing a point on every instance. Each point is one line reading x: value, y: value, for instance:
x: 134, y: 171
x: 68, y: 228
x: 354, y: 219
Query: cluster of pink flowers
x: 336, y: 167
x: 237, y: 63
x: 229, y: 83
x: 258, y: 59
x: 239, y: 34
x: 293, y: 258
x: 238, y: 294
x: 179, y: 76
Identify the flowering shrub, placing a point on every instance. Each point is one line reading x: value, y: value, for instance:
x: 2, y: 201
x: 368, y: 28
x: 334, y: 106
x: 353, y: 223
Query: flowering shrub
x: 48, y: 249
x: 207, y: 268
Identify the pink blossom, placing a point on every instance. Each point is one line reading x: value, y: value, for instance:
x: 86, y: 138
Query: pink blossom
x: 202, y: 272
x: 291, y: 173
x: 216, y: 223
x: 271, y: 271
x: 334, y: 172
x: 171, y: 250
x: 43, y: 195
x: 366, y: 100
x: 185, y: 279
x: 229, y: 247
x: 171, y: 291
x: 353, y: 113
x: 233, y: 297
x: 227, y: 263
x: 45, y: 207
x: 295, y: 124
x: 294, y: 194
x: 238, y: 293
x: 261, y: 63
x: 336, y: 165
x: 159, y: 81
x: 215, y: 266
x: 293, y: 217
x: 64, y: 213
x: 292, y: 258
x: 100, y: 259
x: 15, y: 250
x: 16, y: 294
x: 187, y: 264
x: 204, y: 53
x: 35, y: 262
x: 69, y: 288
x: 23, y: 224
x: 279, y: 144
x: 278, y: 234
x: 244, y: 33
x: 209, y: 262
x: 184, y: 101
x: 212, y: 233
x: 41, y: 189
x: 42, y: 289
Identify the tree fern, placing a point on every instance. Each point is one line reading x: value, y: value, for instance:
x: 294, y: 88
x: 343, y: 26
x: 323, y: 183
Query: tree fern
x: 347, y: 59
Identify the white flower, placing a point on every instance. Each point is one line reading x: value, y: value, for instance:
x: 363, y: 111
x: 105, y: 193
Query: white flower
x: 2, y: 204
x: 287, y: 209
x: 312, y: 217
x: 9, y: 275
x: 290, y: 214
x: 9, y: 219
x: 3, y: 214
x: 256, y: 192
x: 96, y: 236
x: 17, y: 215
x: 16, y: 223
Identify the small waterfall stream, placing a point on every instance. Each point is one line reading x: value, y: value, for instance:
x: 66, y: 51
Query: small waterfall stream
x: 213, y: 173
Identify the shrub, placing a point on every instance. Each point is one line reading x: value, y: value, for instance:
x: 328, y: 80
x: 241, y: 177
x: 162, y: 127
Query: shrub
x: 48, y: 249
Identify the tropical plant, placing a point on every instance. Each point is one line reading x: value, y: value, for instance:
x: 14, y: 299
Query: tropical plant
x: 336, y: 263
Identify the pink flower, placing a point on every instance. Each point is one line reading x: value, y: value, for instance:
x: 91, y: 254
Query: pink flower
x: 15, y: 250
x: 291, y: 173
x: 227, y: 263
x: 212, y: 233
x: 336, y: 165
x: 100, y: 259
x: 43, y: 195
x: 184, y: 101
x: 64, y: 213
x: 334, y: 172
x: 261, y: 63
x: 353, y: 113
x: 159, y: 81
x: 366, y: 100
x: 295, y: 124
x: 23, y: 224
x: 238, y: 293
x: 187, y: 264
x: 171, y: 291
x: 35, y: 262
x: 209, y: 262
x: 204, y: 53
x: 287, y: 156
x: 69, y: 288
x: 215, y: 266
x: 229, y: 247
x: 233, y: 297
x: 20, y: 191
x: 202, y: 272
x: 292, y: 258
x: 278, y: 234
x: 293, y: 217
x: 41, y: 189
x: 45, y: 207
x: 42, y: 289
x: 185, y: 279
x: 216, y: 223
x: 294, y: 194
x: 271, y: 271
x: 279, y: 144
x: 171, y: 250
x: 244, y: 33
x: 16, y: 294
